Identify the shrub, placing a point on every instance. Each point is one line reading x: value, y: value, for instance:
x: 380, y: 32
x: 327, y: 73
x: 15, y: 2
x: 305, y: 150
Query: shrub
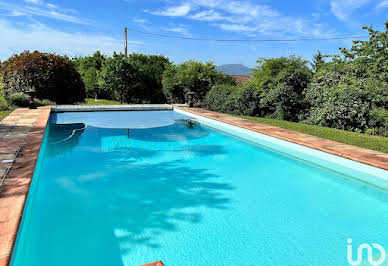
x: 247, y: 100
x: 282, y: 82
x: 39, y: 102
x: 351, y: 91
x: 351, y: 104
x: 134, y: 79
x: 19, y: 99
x: 191, y: 76
x: 220, y: 98
x: 3, y: 104
x: 53, y: 77
x: 118, y: 76
x: 242, y: 99
x: 88, y: 67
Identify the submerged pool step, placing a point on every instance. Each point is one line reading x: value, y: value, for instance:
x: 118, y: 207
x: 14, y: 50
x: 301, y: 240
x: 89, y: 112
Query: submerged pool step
x: 102, y: 108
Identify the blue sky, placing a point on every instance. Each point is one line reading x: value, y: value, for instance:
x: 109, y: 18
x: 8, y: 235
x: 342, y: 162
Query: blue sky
x: 79, y: 27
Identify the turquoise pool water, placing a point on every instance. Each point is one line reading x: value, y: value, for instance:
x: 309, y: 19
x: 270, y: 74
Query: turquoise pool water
x: 188, y: 195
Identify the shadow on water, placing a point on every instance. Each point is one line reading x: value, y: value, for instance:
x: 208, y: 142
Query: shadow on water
x: 132, y: 195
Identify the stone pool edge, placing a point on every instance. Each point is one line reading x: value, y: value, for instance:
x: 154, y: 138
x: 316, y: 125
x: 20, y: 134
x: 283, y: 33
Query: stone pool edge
x: 354, y: 153
x: 23, y: 130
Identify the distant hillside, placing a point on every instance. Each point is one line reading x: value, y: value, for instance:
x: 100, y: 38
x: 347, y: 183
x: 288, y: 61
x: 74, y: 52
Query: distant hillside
x: 235, y: 69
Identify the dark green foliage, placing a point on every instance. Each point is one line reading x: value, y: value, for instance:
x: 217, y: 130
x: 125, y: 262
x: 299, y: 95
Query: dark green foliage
x: 351, y: 91
x: 191, y: 76
x: 39, y: 102
x: 133, y: 79
x: 282, y: 82
x: 117, y: 77
x: 220, y: 98
x: 88, y: 68
x: 19, y: 99
x: 242, y: 99
x: 317, y: 61
x: 51, y: 76
x: 150, y: 71
x: 3, y: 104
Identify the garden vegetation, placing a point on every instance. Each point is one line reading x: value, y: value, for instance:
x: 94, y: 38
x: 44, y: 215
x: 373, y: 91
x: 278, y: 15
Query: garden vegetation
x: 347, y: 91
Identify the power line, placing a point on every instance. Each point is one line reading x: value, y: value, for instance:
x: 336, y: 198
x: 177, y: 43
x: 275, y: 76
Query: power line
x: 246, y: 40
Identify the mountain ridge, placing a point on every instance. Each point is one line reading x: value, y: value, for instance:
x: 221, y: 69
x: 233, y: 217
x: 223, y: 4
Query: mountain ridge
x: 234, y: 69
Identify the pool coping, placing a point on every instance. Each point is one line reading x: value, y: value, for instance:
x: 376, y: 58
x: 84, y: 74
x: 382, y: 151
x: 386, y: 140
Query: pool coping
x: 354, y: 153
x: 27, y: 128
x: 21, y: 134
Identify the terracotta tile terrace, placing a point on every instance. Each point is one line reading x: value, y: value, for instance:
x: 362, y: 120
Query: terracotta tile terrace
x: 22, y: 132
x: 21, y: 135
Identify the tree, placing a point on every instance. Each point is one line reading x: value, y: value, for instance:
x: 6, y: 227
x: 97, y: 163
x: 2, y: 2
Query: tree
x: 118, y: 76
x: 51, y: 76
x: 317, y: 62
x: 281, y: 84
x: 191, y: 76
x: 351, y: 91
x: 88, y: 67
x: 150, y: 73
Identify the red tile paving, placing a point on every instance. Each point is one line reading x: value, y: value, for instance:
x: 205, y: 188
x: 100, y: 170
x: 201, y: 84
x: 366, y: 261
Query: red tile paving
x: 370, y: 157
x: 22, y: 128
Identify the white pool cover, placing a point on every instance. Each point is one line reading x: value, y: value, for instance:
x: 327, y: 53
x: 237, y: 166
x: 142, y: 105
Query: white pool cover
x: 113, y: 119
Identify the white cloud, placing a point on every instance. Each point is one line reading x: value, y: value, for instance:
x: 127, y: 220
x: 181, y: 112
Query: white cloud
x: 342, y: 9
x: 244, y: 17
x: 182, y: 29
x: 208, y: 15
x: 237, y: 27
x: 36, y: 2
x: 40, y: 11
x: 49, y: 5
x: 383, y: 4
x: 40, y: 37
x: 141, y: 22
x: 176, y: 11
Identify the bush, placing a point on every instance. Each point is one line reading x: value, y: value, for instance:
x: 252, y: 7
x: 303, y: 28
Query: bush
x: 242, y: 99
x: 351, y: 91
x: 351, y: 104
x: 282, y: 82
x: 133, y: 79
x: 118, y: 76
x: 53, y: 77
x: 88, y: 67
x: 220, y: 98
x: 19, y: 99
x: 191, y: 76
x: 39, y: 102
x: 247, y: 100
x: 3, y: 104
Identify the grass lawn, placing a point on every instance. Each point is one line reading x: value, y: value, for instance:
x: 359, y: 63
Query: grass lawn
x: 3, y: 114
x: 352, y: 138
x: 91, y: 101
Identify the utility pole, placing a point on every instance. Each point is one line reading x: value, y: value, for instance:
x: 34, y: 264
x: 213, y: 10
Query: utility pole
x: 126, y: 42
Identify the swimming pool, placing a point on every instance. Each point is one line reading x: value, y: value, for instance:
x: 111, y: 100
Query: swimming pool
x: 127, y: 188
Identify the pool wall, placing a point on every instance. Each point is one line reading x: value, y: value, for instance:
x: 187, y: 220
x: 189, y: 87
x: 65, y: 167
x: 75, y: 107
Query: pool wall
x: 365, y: 173
x: 12, y: 199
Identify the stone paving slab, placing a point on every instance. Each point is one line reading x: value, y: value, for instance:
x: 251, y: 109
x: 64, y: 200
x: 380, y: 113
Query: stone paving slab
x: 370, y: 157
x: 23, y: 128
